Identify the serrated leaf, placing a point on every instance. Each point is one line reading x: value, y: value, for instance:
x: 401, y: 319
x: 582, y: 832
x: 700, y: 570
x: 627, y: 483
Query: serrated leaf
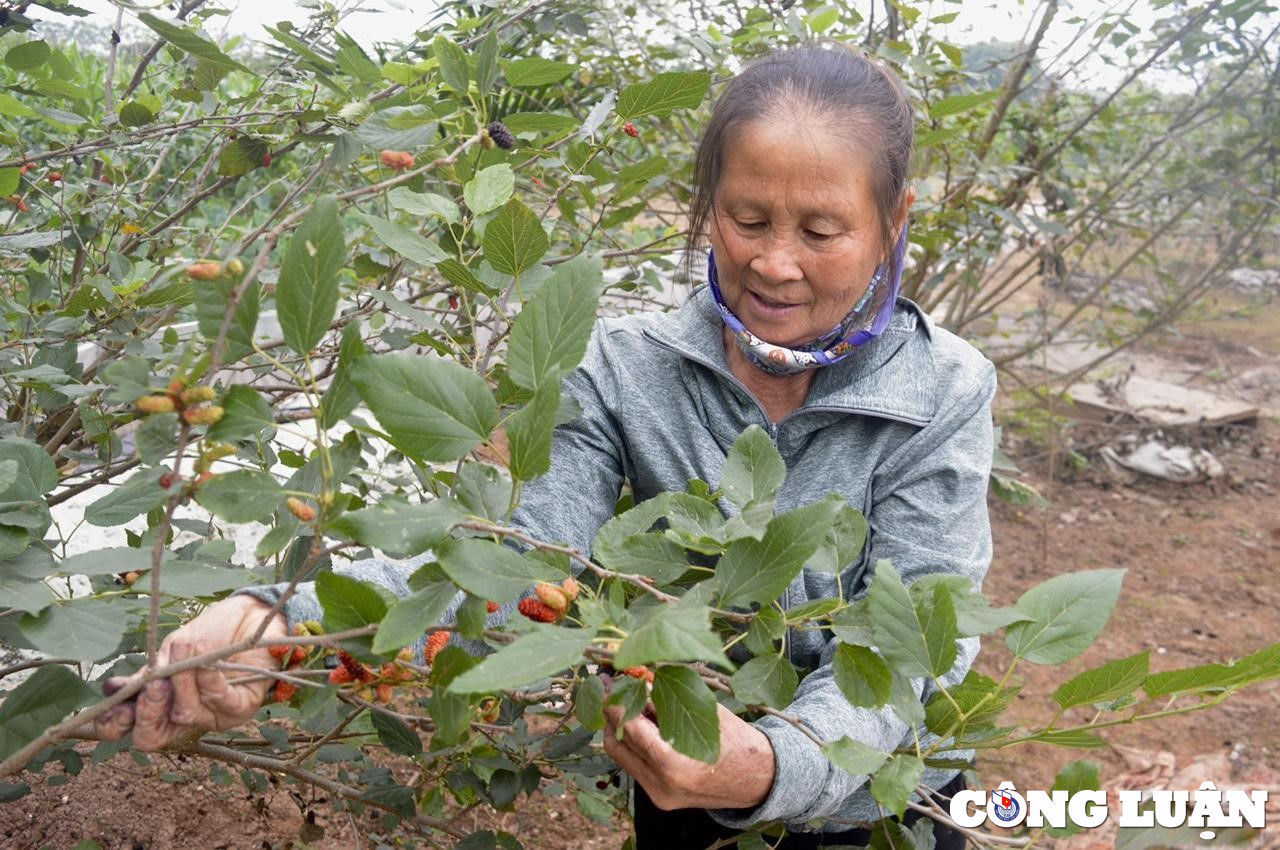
x: 665, y: 92
x: 341, y: 397
x: 307, y: 294
x: 842, y: 546
x: 754, y: 470
x: 245, y: 495
x: 759, y: 570
x: 399, y: 529
x: 211, y: 297
x: 854, y: 757
x: 36, y: 473
x: 687, y: 715
x: 673, y: 632
x: 529, y: 433
x: 490, y: 570
x: 487, y: 62
x: 406, y: 242
x: 489, y: 189
x: 588, y: 703
x: 348, y: 603
x: 1075, y: 777
x: 535, y: 71
x: 894, y: 783
x: 245, y: 413
x: 544, y: 651
x: 425, y: 204
x: 651, y: 555
x: 411, y: 615
x: 1256, y: 667
x: 43, y: 700
x: 766, y: 680
x: 514, y: 239
x: 238, y: 158
x: 862, y: 676
x: 190, y: 42
x: 135, y: 497
x: 395, y: 735
x: 917, y: 640
x: 549, y: 337
x: 957, y: 103
x: 1068, y: 612
x: 979, y: 698
x: 453, y: 63
x: 85, y: 629
x: 1110, y: 681
x: 433, y: 409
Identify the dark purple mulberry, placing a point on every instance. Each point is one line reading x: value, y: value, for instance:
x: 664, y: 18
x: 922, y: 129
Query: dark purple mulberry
x: 501, y: 136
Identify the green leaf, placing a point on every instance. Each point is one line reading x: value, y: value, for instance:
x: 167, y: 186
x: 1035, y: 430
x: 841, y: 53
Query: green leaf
x: 238, y: 158
x: 917, y: 640
x: 134, y: 114
x: 665, y: 92
x: 514, y: 239
x: 487, y: 62
x: 862, y: 676
x: 10, y: 180
x: 307, y: 294
x: 397, y: 528
x: 348, y: 603
x: 40, y: 702
x: 544, y: 651
x: 759, y: 570
x: 766, y: 680
x: 101, y: 562
x: 1256, y: 667
x: 187, y: 40
x: 529, y: 434
x: 245, y: 413
x: 410, y: 616
x: 673, y: 632
x: 406, y: 242
x: 211, y: 297
x: 854, y: 757
x: 1076, y: 739
x: 453, y: 63
x: 36, y: 473
x: 490, y: 570
x: 85, y: 629
x: 25, y: 594
x: 536, y: 71
x: 980, y: 698
x: 1110, y: 681
x: 27, y: 56
x: 957, y: 103
x: 190, y: 579
x: 753, y: 471
x: 245, y: 495
x: 395, y: 735
x: 549, y: 337
x: 651, y: 555
x: 1074, y: 778
x: 425, y: 204
x: 13, y: 107
x: 341, y: 397
x: 588, y: 703
x: 842, y: 546
x: 1068, y: 612
x: 432, y: 409
x: 687, y: 714
x: 539, y: 122
x: 489, y: 189
x: 894, y: 783
x: 157, y: 437
x: 137, y: 496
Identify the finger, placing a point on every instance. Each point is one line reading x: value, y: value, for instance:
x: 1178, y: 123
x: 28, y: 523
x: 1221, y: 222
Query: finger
x: 229, y: 704
x: 115, y: 723
x: 187, y: 708
x: 111, y: 686
x: 642, y: 737
x: 151, y: 726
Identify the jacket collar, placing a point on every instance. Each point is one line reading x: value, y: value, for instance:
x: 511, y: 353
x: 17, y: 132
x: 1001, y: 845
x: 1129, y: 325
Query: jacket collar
x: 887, y: 377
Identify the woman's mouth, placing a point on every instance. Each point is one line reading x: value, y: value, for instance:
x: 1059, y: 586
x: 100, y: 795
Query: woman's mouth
x: 769, y: 308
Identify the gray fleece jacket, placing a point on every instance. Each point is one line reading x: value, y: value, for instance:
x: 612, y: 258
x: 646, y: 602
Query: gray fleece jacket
x: 902, y: 429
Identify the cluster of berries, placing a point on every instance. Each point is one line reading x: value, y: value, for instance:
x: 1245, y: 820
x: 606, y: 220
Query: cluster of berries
x: 212, y: 269
x: 498, y: 134
x: 290, y: 657
x: 379, y: 685
x: 550, y: 602
x: 397, y: 160
x: 191, y: 401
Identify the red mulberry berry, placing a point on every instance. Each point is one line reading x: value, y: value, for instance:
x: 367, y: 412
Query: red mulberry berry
x: 492, y: 607
x: 340, y: 676
x: 280, y: 652
x: 384, y: 691
x: 639, y: 673
x: 537, y: 610
x: 630, y: 130
x: 284, y: 691
x: 435, y: 643
x: 501, y: 136
x: 353, y: 667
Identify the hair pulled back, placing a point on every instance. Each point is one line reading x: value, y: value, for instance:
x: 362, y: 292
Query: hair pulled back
x: 861, y: 101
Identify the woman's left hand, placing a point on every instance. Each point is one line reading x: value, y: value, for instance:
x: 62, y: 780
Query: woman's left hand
x: 741, y: 779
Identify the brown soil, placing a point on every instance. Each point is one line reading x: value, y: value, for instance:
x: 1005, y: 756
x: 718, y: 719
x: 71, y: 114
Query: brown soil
x: 1201, y: 586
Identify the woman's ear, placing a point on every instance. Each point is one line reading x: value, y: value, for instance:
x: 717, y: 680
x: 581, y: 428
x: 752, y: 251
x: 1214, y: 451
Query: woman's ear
x: 908, y: 200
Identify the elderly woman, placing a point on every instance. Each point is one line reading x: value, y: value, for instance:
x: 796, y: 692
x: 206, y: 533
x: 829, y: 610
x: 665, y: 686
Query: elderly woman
x: 803, y: 196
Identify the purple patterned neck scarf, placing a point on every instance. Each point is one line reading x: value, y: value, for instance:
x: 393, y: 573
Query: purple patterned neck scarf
x: 857, y: 328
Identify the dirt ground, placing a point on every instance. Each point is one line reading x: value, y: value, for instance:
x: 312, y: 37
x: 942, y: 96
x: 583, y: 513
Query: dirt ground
x: 1201, y: 586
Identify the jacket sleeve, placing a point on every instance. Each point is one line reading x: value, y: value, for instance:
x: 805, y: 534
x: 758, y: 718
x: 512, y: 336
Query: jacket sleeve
x: 928, y: 515
x: 567, y: 505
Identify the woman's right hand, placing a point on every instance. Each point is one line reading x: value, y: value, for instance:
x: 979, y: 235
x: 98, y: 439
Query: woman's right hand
x: 202, y: 699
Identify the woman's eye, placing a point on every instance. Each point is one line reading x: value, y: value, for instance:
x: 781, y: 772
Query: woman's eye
x: 751, y: 225
x: 817, y: 236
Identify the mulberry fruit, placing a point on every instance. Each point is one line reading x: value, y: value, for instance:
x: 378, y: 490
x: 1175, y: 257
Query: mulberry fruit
x: 537, y: 610
x: 639, y: 673
x: 492, y: 607
x: 553, y: 596
x: 284, y: 691
x: 155, y: 404
x: 195, y: 395
x: 397, y: 160
x: 384, y: 692
x: 204, y: 271
x: 435, y: 643
x: 570, y: 588
x: 357, y: 671
x: 300, y: 509
x: 340, y: 676
x: 202, y: 415
x: 280, y: 652
x: 630, y: 130
x: 501, y: 136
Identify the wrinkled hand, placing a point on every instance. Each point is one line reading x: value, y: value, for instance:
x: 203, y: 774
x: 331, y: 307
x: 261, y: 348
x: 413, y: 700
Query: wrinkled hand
x: 741, y: 779
x: 201, y: 699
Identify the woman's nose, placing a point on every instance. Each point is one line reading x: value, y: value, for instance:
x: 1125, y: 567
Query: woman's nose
x: 777, y: 261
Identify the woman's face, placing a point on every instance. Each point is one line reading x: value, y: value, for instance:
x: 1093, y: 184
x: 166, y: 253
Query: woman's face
x: 794, y: 229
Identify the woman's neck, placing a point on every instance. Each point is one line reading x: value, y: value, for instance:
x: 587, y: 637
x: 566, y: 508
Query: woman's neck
x: 780, y: 394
